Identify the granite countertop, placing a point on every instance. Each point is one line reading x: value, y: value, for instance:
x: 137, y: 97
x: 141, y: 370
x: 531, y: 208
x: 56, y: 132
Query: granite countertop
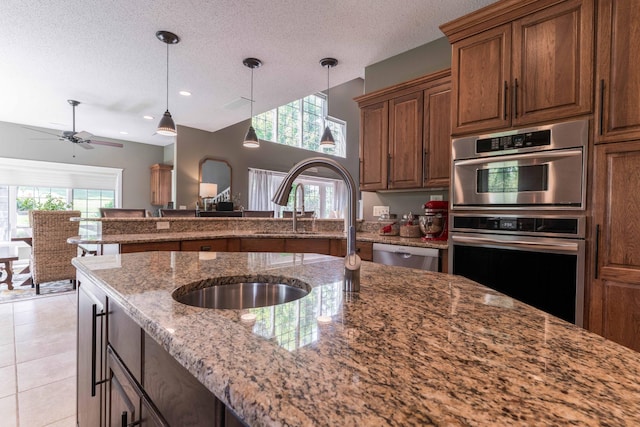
x: 411, y: 348
x: 222, y: 234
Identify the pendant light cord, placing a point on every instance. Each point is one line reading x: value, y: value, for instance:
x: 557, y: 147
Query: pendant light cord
x: 327, y: 115
x: 251, y: 100
x: 167, y: 76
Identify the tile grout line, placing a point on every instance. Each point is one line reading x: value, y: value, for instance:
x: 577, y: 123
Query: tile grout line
x: 15, y: 363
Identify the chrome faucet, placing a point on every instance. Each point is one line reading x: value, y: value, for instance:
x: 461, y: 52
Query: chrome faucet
x: 352, y: 261
x: 295, y: 206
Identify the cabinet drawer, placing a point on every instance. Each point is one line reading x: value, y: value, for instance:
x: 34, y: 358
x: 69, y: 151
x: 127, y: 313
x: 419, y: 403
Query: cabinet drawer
x: 315, y: 246
x: 213, y: 245
x: 364, y: 249
x: 125, y: 337
x: 127, y: 248
x: 262, y: 245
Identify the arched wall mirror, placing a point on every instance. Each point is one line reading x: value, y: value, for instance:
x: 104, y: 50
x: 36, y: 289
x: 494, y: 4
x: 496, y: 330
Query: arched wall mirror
x: 218, y: 172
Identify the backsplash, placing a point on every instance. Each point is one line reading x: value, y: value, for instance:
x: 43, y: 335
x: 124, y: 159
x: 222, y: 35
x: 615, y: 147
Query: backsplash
x: 399, y: 202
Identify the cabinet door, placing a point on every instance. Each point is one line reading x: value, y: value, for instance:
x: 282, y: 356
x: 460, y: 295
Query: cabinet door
x: 405, y: 141
x: 374, y: 146
x: 553, y: 63
x: 315, y: 246
x: 480, y: 66
x: 160, y: 184
x: 618, y: 79
x: 262, y: 245
x: 127, y: 248
x: 91, y: 350
x: 437, y: 136
x: 614, y: 295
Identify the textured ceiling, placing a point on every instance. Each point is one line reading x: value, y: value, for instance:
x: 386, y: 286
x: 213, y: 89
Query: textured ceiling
x: 104, y: 53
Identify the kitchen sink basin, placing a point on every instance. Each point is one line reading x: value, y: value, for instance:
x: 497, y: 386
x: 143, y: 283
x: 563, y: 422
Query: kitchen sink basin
x: 241, y: 293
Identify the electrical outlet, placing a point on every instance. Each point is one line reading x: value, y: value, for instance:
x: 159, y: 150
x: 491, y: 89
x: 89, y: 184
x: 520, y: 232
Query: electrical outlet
x: 435, y: 197
x: 380, y: 210
x: 183, y: 207
x: 162, y: 225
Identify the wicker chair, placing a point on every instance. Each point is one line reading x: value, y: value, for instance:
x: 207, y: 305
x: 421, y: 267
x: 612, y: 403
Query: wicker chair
x: 50, y: 253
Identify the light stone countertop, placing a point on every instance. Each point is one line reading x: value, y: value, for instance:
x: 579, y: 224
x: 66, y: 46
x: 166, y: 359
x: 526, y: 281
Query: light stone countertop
x: 411, y: 348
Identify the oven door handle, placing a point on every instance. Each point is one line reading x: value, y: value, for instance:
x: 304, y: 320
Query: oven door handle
x: 537, y: 245
x: 539, y: 155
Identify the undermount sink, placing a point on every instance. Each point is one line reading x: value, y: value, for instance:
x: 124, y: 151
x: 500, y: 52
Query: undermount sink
x: 241, y: 293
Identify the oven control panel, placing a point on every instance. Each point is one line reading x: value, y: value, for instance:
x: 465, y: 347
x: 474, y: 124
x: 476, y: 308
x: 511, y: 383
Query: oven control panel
x: 529, y: 225
x: 509, y: 142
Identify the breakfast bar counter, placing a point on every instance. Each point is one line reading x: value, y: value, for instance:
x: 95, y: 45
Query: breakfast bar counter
x: 411, y: 348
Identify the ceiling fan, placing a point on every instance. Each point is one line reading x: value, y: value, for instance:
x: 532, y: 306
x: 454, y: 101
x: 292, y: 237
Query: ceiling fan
x: 82, y: 138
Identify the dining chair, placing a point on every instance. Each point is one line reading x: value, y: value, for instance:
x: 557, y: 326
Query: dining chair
x: 50, y: 253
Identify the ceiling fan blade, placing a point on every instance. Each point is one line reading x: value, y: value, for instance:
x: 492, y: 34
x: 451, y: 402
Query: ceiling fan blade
x: 42, y: 131
x: 83, y: 135
x: 85, y: 145
x: 107, y: 143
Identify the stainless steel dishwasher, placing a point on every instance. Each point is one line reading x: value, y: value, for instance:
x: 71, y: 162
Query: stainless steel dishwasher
x: 406, y: 256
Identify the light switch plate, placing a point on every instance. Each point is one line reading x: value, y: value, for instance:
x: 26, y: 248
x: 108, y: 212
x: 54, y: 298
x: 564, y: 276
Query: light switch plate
x: 162, y: 225
x: 379, y: 210
x: 435, y: 197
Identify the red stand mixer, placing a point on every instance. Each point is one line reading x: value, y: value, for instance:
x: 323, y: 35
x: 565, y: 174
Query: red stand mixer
x: 434, y: 221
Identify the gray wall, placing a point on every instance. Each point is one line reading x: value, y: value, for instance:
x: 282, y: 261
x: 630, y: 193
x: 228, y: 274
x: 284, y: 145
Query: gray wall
x: 192, y: 145
x: 425, y: 59
x: 135, y: 159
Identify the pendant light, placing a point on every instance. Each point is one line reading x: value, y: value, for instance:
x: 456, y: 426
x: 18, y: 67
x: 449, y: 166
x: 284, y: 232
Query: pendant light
x: 251, y: 139
x: 327, y: 140
x: 167, y: 126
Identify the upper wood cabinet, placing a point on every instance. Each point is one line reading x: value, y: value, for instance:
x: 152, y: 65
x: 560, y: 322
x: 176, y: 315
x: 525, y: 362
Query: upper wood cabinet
x: 374, y: 145
x: 614, y: 291
x: 518, y: 63
x: 405, y: 138
x: 617, y: 77
x: 161, y: 184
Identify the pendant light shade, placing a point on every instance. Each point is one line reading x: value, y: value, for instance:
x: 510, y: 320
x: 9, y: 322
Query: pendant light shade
x: 327, y: 140
x: 167, y: 126
x: 251, y: 139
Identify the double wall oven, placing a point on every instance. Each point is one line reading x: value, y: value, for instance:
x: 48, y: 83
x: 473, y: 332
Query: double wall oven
x: 517, y: 219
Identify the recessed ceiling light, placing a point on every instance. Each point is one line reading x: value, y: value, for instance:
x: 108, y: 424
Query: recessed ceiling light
x: 124, y: 133
x: 185, y: 93
x: 147, y: 117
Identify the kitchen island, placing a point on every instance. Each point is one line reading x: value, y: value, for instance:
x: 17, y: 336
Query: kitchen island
x: 411, y: 348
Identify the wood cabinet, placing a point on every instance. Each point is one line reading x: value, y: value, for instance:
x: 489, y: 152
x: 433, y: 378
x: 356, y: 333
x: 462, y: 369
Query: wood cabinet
x: 213, y: 245
x: 617, y: 115
x: 614, y: 292
x: 374, y: 145
x: 126, y: 248
x: 405, y: 135
x: 91, y: 349
x: 262, y: 245
x: 364, y: 249
x: 517, y: 64
x: 161, y: 184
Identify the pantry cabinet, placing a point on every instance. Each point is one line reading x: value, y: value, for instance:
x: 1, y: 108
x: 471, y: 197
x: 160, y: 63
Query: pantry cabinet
x: 519, y: 63
x: 617, y: 113
x: 614, y: 294
x: 405, y: 135
x: 161, y: 184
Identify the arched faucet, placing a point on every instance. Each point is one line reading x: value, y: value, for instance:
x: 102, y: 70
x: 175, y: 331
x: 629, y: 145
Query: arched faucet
x: 352, y: 261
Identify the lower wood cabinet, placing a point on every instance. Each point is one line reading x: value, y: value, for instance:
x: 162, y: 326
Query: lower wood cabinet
x: 213, y: 245
x: 127, y: 248
x: 364, y: 249
x: 124, y: 378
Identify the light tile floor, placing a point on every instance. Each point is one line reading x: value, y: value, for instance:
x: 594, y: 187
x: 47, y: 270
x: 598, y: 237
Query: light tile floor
x: 38, y: 362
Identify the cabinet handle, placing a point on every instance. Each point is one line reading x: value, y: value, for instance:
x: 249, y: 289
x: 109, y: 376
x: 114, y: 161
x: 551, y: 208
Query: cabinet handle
x: 425, y: 165
x: 94, y: 353
x: 601, y: 118
x: 515, y: 100
x: 389, y: 181
x: 597, y: 256
x: 205, y: 248
x: 361, y: 172
x: 504, y: 100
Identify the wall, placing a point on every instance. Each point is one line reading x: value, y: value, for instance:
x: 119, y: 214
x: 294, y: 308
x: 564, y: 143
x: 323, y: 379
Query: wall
x: 134, y: 158
x: 226, y: 144
x: 425, y: 59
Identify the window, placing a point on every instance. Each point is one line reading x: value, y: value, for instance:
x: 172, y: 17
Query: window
x: 325, y: 196
x: 300, y: 124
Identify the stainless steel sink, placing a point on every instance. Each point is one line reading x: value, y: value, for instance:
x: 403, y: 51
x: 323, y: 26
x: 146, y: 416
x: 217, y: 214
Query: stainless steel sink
x: 240, y: 295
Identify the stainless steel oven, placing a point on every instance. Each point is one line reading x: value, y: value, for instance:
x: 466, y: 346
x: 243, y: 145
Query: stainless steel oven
x: 517, y: 218
x: 537, y: 259
x: 535, y: 168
